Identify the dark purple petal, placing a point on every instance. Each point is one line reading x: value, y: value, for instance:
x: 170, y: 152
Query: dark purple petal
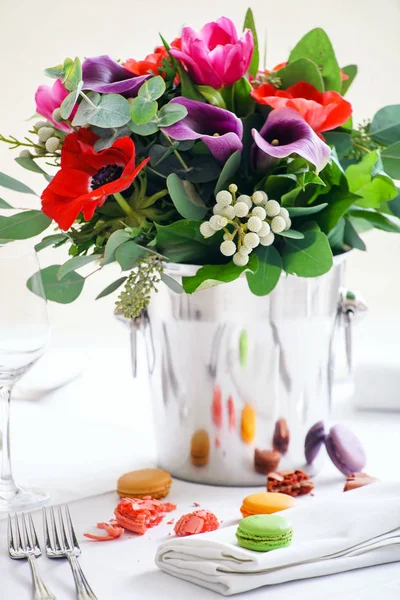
x: 219, y: 129
x: 285, y: 132
x: 102, y: 74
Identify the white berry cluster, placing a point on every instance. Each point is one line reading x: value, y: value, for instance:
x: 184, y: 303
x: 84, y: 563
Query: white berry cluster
x: 246, y: 222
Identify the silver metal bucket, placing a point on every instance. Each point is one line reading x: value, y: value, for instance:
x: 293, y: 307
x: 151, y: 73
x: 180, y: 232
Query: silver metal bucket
x: 223, y: 355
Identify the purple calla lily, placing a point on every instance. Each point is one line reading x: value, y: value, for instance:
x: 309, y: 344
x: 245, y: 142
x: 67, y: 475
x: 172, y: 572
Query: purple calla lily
x: 102, y: 74
x: 285, y: 132
x: 219, y: 129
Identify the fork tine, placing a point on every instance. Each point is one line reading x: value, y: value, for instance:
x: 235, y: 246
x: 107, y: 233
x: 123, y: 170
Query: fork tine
x: 28, y: 545
x: 71, y: 528
x: 54, y: 529
x: 47, y: 539
x: 34, y: 537
x: 65, y: 540
x: 10, y: 534
x: 19, y: 540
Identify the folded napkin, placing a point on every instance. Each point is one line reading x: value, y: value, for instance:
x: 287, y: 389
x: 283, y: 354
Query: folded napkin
x: 355, y: 529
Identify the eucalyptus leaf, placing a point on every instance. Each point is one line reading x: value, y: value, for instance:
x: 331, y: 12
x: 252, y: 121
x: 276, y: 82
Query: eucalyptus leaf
x: 146, y: 129
x: 23, y: 225
x: 55, y: 72
x: 111, y: 110
x: 172, y: 284
x: 300, y: 211
x: 29, y: 164
x: 212, y: 275
x: 51, y: 240
x: 128, y: 255
x: 250, y: 24
x: 351, y: 72
x: 185, y: 197
x: 13, y: 184
x: 385, y: 126
x: 4, y: 205
x: 76, y: 263
x: 68, y: 104
x: 72, y: 78
x: 309, y: 257
x: 152, y: 88
x: 116, y: 239
x: 391, y: 160
x: 85, y: 109
x: 63, y: 292
x: 142, y: 110
x: 171, y: 113
x: 228, y: 172
x: 266, y: 277
x: 112, y: 287
x: 302, y: 69
x: 316, y: 46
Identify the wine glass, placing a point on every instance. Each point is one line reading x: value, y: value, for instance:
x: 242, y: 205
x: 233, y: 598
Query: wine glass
x: 24, y: 332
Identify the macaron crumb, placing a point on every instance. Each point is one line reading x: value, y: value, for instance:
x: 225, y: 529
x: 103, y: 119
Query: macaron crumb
x: 199, y: 521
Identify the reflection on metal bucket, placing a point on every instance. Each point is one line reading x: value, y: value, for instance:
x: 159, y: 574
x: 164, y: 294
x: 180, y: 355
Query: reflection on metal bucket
x: 225, y: 366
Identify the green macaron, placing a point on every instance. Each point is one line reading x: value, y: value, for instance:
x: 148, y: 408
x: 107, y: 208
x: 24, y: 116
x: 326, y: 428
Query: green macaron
x: 264, y: 532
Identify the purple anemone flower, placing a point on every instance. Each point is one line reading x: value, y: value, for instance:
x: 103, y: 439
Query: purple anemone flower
x: 219, y: 129
x: 102, y: 74
x: 285, y: 132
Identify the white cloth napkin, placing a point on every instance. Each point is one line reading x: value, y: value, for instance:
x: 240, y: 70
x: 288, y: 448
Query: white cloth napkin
x: 356, y: 529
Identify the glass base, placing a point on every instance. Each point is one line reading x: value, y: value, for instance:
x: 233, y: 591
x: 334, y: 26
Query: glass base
x: 23, y: 499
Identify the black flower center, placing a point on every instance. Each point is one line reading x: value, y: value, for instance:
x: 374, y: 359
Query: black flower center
x: 286, y: 132
x: 106, y: 175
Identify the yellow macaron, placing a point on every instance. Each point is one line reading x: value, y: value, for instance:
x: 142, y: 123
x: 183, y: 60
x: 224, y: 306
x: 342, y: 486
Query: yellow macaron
x: 265, y: 503
x: 144, y: 482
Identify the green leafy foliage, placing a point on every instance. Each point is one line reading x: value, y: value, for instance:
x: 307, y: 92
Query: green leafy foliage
x: 269, y: 270
x: 172, y: 283
x: 212, y: 95
x: 116, y: 239
x: 110, y: 110
x: 62, y: 291
x: 302, y: 69
x: 340, y: 140
x: 142, y: 110
x: 112, y: 287
x: 188, y: 88
x: 170, y: 114
x: 182, y: 242
x: 4, y: 205
x: 370, y: 182
x: 317, y: 47
x: 351, y: 72
x: 23, y: 225
x: 351, y: 237
x: 292, y: 234
x: 51, y: 240
x: 13, y: 184
x: 385, y: 126
x: 76, y: 262
x: 212, y: 275
x: 128, y: 255
x: 250, y: 24
x: 228, y: 172
x: 185, y: 197
x: 391, y: 160
x: 305, y: 211
x: 340, y: 200
x: 72, y: 76
x: 243, y: 103
x: 30, y: 165
x: 309, y: 257
x: 379, y: 220
x: 152, y: 88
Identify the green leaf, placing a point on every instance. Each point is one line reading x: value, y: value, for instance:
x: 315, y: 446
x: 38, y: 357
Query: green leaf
x: 336, y: 236
x: 212, y: 95
x: 152, y: 88
x: 391, y: 160
x: 64, y: 291
x: 112, y: 287
x: 72, y: 78
x: 110, y: 110
x: 242, y: 100
x: 13, y: 184
x: 50, y: 240
x: 264, y: 280
x: 368, y: 180
x: 250, y: 24
x: 228, y: 172
x: 23, y: 225
x: 300, y: 211
x: 4, y: 205
x: 385, y: 126
x: 302, y: 69
x: 339, y: 203
x: 142, y: 110
x: 68, y: 104
x: 188, y: 88
x: 76, y: 263
x: 340, y: 140
x: 146, y: 129
x: 309, y: 257
x: 85, y: 109
x: 212, y: 275
x: 185, y: 198
x: 116, y: 239
x: 29, y: 164
x: 55, y: 72
x: 293, y: 234
x: 172, y: 284
x: 351, y: 72
x: 170, y: 114
x: 317, y: 46
x: 351, y: 237
x: 378, y: 220
x: 129, y: 254
x: 182, y: 242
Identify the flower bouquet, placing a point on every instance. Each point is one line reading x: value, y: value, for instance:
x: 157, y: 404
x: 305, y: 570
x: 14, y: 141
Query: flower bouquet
x: 198, y: 154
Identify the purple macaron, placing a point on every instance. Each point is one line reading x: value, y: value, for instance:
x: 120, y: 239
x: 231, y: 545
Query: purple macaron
x: 314, y: 440
x: 345, y: 450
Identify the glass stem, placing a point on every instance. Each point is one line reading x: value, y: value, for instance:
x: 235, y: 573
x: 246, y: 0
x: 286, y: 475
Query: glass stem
x: 7, y: 484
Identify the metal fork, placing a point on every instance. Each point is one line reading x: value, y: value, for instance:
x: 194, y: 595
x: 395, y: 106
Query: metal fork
x: 26, y: 545
x: 61, y: 544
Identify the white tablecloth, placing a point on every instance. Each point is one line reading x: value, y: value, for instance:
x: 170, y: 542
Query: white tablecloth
x: 88, y: 433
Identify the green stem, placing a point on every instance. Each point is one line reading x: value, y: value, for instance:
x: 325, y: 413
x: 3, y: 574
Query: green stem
x: 88, y: 100
x: 362, y: 148
x: 178, y: 156
x: 128, y: 210
x: 156, y: 196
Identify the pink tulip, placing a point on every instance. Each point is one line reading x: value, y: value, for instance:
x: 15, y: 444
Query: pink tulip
x: 48, y: 99
x: 215, y: 56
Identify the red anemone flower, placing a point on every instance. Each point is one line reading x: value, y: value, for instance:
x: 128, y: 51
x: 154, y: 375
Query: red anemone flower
x: 323, y: 111
x: 153, y: 62
x: 87, y: 177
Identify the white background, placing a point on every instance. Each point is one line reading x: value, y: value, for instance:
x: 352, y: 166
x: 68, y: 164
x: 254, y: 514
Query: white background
x: 35, y: 35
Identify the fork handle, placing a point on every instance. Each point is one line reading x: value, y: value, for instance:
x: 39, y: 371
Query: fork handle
x: 83, y: 589
x: 40, y: 589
